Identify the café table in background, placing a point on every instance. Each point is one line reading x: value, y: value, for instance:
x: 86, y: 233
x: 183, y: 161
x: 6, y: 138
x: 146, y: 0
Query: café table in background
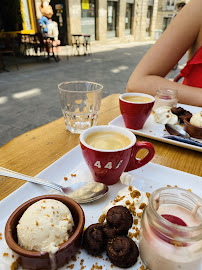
x: 39, y: 44
x: 35, y: 150
x: 81, y: 41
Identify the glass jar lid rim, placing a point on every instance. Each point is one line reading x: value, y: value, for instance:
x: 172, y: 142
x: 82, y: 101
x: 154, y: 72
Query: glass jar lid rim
x: 166, y: 222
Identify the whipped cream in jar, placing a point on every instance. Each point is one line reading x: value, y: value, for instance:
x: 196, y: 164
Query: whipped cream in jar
x: 171, y: 230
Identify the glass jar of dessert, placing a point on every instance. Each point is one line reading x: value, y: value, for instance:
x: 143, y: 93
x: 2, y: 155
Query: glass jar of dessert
x: 165, y: 97
x: 171, y: 230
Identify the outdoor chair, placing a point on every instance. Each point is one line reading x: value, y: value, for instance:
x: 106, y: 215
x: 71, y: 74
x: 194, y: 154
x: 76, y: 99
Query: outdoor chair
x: 177, y: 78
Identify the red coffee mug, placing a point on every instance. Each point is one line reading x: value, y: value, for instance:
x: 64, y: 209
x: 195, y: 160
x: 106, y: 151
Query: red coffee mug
x: 135, y: 114
x: 107, y: 166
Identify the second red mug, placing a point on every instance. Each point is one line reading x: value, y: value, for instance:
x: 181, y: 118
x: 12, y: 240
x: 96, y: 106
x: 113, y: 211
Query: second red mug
x: 135, y: 109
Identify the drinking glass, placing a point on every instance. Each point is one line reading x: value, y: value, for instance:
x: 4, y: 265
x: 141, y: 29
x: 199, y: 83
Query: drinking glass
x: 165, y: 96
x: 80, y: 103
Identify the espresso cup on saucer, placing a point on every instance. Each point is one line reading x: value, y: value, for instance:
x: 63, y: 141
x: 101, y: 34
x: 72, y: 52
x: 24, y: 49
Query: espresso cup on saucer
x: 135, y: 109
x: 109, y: 151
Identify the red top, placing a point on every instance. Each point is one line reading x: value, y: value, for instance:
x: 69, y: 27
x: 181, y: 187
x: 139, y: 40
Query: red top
x: 192, y: 72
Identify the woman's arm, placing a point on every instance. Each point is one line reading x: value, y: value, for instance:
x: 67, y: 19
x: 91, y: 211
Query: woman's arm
x: 184, y: 32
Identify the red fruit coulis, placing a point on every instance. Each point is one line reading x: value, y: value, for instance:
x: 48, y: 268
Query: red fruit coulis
x: 174, y: 220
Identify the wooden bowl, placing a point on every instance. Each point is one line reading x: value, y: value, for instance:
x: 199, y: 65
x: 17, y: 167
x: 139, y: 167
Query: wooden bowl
x: 36, y: 260
x: 194, y: 131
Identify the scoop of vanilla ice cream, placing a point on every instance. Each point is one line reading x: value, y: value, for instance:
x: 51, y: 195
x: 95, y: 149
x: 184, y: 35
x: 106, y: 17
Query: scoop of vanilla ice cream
x: 44, y: 226
x: 135, y: 200
x: 163, y: 115
x: 196, y: 119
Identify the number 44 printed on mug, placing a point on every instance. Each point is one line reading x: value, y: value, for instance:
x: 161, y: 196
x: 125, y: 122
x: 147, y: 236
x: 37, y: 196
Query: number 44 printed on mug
x: 108, y: 165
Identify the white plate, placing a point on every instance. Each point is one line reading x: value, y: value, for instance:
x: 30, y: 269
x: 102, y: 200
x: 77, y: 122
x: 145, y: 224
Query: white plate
x: 156, y: 131
x: 147, y: 178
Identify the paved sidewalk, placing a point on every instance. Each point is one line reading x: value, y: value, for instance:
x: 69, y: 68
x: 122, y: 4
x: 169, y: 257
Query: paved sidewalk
x: 29, y: 97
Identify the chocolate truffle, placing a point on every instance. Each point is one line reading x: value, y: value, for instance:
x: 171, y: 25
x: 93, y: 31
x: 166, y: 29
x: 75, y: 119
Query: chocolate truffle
x: 120, y: 218
x: 122, y: 251
x: 94, y: 240
x: 109, y: 231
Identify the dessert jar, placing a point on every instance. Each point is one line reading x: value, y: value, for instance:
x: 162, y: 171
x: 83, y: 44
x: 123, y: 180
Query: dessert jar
x: 171, y: 230
x: 165, y: 97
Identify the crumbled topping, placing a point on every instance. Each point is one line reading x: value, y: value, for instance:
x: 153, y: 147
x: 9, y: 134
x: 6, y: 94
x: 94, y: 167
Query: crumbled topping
x: 37, y: 224
x: 142, y: 205
x: 102, y: 218
x: 14, y: 265
x: 139, y: 215
x: 118, y: 198
x: 176, y: 243
x: 135, y: 221
x: 74, y: 258
x: 65, y: 178
x: 5, y: 254
x: 73, y: 174
x: 96, y: 266
x: 142, y: 267
x: 135, y: 194
x: 148, y: 194
x: 71, y: 266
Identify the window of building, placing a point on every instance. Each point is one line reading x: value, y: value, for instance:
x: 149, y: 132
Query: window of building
x: 149, y: 18
x: 166, y: 22
x: 111, y: 19
x: 88, y: 17
x: 128, y: 18
x: 170, y: 4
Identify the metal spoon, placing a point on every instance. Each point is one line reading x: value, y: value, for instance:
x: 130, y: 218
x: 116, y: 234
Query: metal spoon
x: 179, y: 134
x: 83, y: 192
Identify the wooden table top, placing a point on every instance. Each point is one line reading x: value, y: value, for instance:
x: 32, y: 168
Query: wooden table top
x: 33, y: 151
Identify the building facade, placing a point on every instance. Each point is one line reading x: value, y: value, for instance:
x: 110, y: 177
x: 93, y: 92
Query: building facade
x: 106, y: 21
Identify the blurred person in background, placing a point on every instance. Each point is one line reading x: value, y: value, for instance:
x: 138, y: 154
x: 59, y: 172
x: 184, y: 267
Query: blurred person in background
x: 49, y: 27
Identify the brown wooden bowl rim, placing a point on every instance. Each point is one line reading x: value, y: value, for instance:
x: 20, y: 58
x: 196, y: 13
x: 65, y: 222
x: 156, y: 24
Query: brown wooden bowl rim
x: 30, y: 253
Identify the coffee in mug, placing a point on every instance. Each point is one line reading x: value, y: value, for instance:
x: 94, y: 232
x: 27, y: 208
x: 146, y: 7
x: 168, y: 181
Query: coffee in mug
x: 107, y: 140
x: 135, y: 109
x: 109, y: 151
x: 137, y: 99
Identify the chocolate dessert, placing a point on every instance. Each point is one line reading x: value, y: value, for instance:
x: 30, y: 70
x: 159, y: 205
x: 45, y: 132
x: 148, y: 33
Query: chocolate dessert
x: 94, y: 240
x: 120, y: 218
x: 109, y: 231
x: 181, y: 113
x: 122, y: 251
